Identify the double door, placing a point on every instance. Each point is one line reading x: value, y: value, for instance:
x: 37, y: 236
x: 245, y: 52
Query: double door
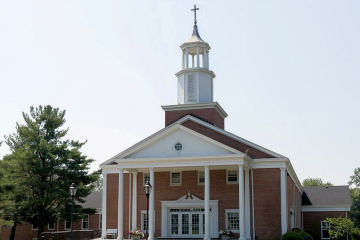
x: 187, y: 222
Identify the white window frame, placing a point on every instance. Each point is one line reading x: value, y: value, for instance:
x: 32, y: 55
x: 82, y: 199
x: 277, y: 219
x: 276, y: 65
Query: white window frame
x: 51, y: 228
x: 201, y: 183
x: 227, y: 176
x: 65, y: 225
x: 32, y: 227
x: 88, y: 222
x: 144, y: 175
x: 321, y: 227
x: 226, y: 219
x: 143, y: 214
x: 171, y: 180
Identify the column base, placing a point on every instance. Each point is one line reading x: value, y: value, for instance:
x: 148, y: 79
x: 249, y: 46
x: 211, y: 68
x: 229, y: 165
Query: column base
x: 207, y: 238
x: 120, y: 238
x: 242, y: 238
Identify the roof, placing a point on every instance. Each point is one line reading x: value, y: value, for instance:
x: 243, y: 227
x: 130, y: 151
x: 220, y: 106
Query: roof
x: 195, y: 36
x: 93, y: 200
x: 327, y: 196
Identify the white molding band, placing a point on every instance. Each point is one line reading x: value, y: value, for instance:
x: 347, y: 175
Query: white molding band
x: 284, y: 213
x: 325, y: 209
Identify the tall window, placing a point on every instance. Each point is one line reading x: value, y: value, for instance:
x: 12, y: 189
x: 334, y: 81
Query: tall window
x: 232, y: 176
x: 232, y: 220
x: 325, y: 226
x: 175, y: 178
x: 67, y: 225
x: 85, y: 222
x: 34, y: 226
x: 146, y: 178
x: 201, y: 177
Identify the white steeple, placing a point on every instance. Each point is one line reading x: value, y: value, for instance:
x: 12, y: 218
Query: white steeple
x: 195, y: 80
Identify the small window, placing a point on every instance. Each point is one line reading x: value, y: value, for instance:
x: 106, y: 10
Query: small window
x: 85, y: 222
x: 146, y: 177
x: 325, y: 227
x: 232, y: 220
x: 178, y: 146
x: 34, y: 226
x: 232, y: 176
x: 144, y: 221
x: 51, y: 226
x: 67, y: 225
x: 175, y: 178
x: 201, y: 177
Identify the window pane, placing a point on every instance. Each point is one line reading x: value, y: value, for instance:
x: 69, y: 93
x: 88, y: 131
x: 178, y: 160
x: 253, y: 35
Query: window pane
x: 86, y: 222
x: 52, y: 225
x: 233, y: 221
x: 145, y: 222
x: 232, y: 176
x: 185, y: 223
x: 195, y: 224
x: 174, y: 224
x: 67, y: 224
x: 201, y: 177
x: 175, y: 178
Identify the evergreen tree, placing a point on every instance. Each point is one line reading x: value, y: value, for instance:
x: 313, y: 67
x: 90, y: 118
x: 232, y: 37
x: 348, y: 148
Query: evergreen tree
x: 45, y: 164
x: 355, y: 196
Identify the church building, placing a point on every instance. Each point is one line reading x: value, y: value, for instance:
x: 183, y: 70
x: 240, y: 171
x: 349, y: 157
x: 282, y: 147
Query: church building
x: 205, y: 179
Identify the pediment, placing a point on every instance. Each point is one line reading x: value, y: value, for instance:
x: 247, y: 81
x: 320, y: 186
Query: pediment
x: 192, y: 144
x: 188, y: 198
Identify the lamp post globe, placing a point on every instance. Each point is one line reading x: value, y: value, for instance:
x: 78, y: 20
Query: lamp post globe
x: 72, y: 194
x: 147, y: 188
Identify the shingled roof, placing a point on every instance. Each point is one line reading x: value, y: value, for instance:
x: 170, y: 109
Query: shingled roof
x: 93, y: 200
x: 327, y: 196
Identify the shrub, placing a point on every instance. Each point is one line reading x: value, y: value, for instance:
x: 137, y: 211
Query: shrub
x: 294, y: 235
x: 355, y: 235
x: 305, y: 235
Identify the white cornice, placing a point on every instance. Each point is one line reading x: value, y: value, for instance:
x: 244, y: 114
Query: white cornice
x: 333, y: 208
x: 204, y: 70
x: 178, y: 107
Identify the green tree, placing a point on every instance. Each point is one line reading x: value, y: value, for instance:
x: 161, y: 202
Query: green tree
x: 340, y: 227
x: 315, y: 182
x: 46, y: 163
x: 355, y: 196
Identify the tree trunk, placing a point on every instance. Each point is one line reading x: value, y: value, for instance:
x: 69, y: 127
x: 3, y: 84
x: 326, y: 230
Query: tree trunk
x: 13, y: 229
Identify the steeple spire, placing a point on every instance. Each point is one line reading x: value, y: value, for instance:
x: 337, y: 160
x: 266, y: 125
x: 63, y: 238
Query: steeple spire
x: 194, y: 9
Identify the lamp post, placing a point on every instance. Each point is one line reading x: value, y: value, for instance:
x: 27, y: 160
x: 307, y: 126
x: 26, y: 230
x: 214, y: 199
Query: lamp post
x: 72, y: 194
x: 147, y: 188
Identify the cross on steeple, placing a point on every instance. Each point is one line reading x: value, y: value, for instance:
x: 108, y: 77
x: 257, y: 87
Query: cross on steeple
x: 194, y: 9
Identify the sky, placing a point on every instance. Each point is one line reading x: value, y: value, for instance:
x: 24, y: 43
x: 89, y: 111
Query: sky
x: 287, y: 72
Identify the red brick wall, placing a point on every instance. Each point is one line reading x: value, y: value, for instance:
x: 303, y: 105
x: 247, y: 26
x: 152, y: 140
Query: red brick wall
x: 312, y: 221
x: 209, y: 114
x: 266, y: 198
x: 267, y: 203
x: 293, y: 202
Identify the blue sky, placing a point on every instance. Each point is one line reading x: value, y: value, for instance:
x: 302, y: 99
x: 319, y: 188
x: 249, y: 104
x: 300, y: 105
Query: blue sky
x: 287, y: 72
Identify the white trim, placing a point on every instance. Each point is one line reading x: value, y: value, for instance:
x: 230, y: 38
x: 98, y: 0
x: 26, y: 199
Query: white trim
x: 104, y: 203
x: 227, y: 176
x: 171, y: 179
x: 325, y: 209
x: 134, y: 203
x: 284, y: 212
x: 226, y: 219
x: 142, y: 214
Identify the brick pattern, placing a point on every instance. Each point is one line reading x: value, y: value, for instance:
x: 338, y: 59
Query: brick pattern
x: 25, y: 232
x: 266, y: 198
x: 210, y: 115
x: 294, y: 203
x: 312, y: 221
x: 252, y: 152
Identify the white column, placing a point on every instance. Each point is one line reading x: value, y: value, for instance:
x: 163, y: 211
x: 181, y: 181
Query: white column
x: 130, y: 193
x: 134, y: 202
x: 207, y: 203
x: 103, y: 216
x: 283, y: 187
x: 183, y: 59
x: 247, y: 205
x: 205, y: 58
x: 241, y: 203
x: 193, y: 62
x: 197, y: 57
x: 186, y: 58
x: 151, y: 206
x: 121, y: 204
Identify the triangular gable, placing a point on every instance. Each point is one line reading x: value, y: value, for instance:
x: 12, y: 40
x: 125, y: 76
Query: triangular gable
x: 214, y: 134
x: 192, y: 144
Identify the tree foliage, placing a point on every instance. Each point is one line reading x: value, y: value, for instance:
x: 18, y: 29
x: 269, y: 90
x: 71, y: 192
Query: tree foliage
x: 43, y: 165
x: 315, y: 182
x: 340, y: 227
x: 355, y: 196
